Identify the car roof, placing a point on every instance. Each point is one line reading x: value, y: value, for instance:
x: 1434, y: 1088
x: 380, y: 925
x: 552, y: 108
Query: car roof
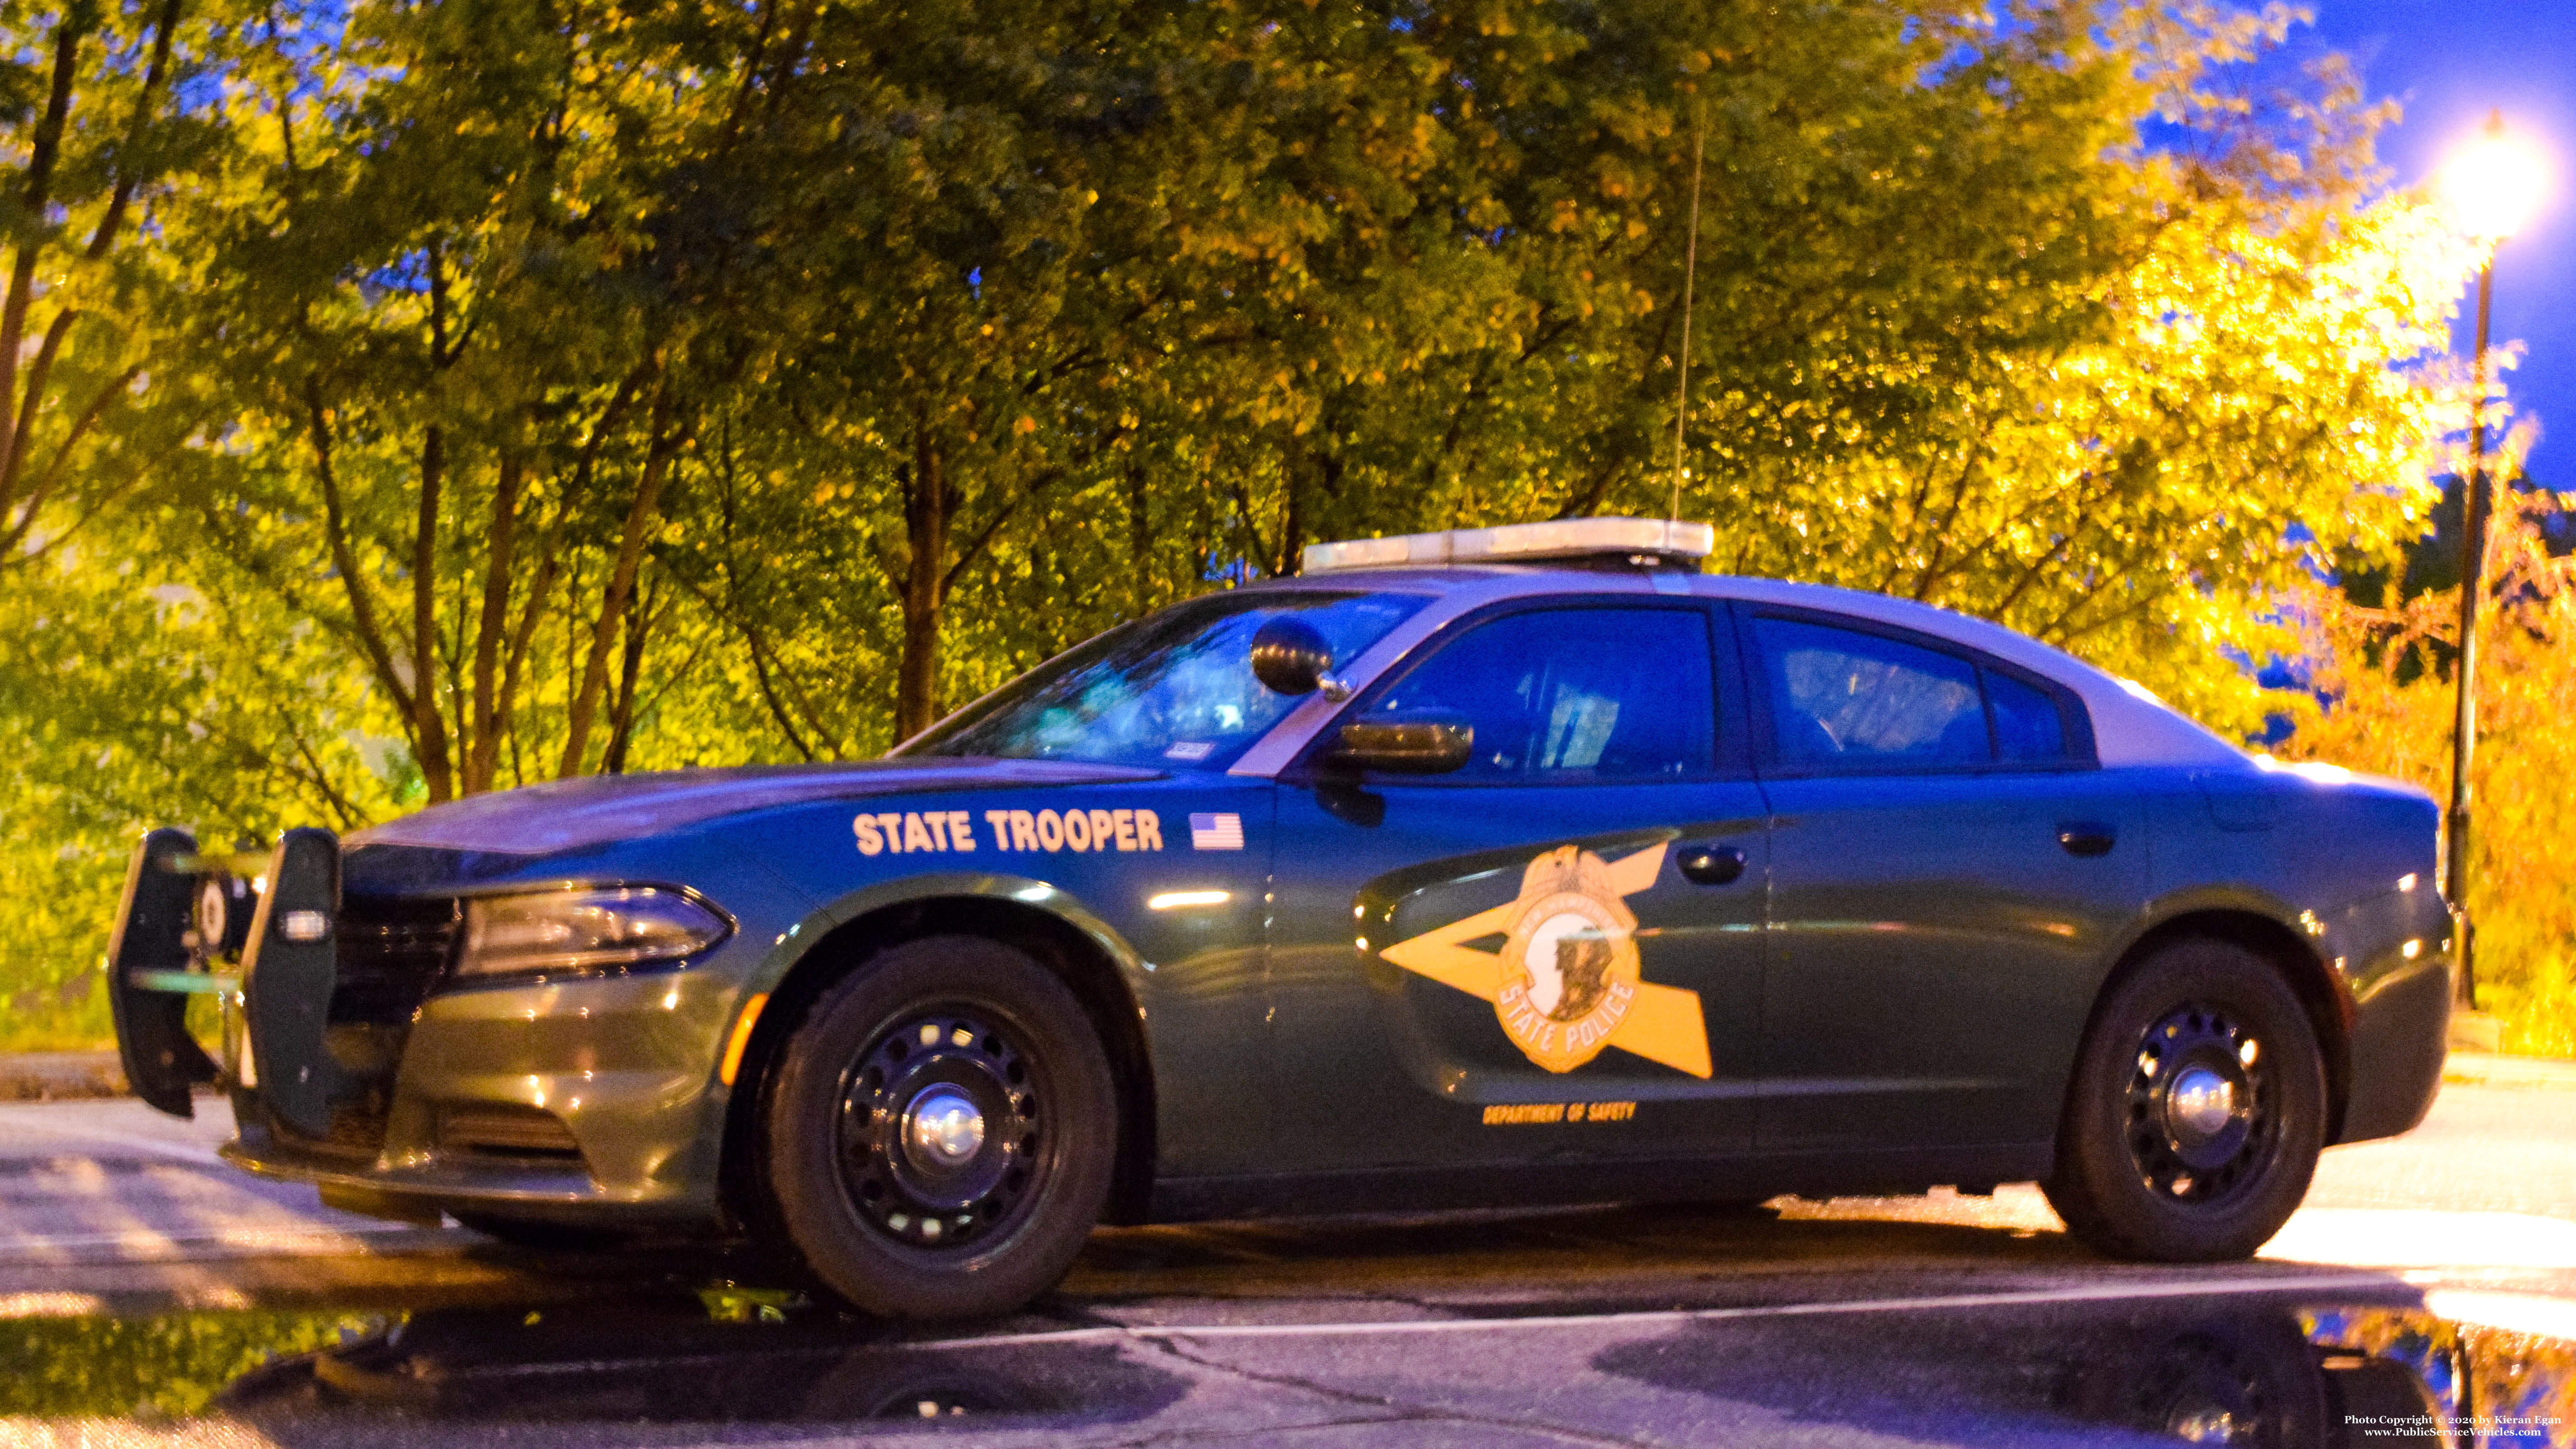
x: 2130, y: 725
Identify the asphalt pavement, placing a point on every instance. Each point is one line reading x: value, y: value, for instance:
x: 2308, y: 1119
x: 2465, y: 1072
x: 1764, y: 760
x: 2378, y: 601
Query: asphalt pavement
x: 150, y: 1294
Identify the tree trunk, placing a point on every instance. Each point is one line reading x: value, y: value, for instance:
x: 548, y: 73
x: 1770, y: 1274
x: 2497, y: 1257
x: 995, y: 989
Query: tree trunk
x: 630, y: 677
x: 621, y: 582
x: 1140, y: 538
x: 429, y: 723
x: 483, y: 753
x: 344, y: 560
x: 1292, y: 527
x: 927, y: 508
x: 43, y: 147
x: 13, y: 453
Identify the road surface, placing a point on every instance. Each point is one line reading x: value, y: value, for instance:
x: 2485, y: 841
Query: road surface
x: 143, y: 1284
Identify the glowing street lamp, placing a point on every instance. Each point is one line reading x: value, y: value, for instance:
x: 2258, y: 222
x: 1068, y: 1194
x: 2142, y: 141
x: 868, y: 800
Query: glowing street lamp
x: 2491, y: 187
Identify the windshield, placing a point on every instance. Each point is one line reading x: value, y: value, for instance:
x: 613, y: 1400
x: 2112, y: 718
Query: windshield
x: 1173, y: 690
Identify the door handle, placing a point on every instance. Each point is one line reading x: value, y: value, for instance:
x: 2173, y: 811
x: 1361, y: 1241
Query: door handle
x: 2087, y: 838
x: 1711, y: 864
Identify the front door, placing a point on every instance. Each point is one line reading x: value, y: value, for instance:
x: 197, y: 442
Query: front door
x: 1948, y: 872
x: 1553, y: 952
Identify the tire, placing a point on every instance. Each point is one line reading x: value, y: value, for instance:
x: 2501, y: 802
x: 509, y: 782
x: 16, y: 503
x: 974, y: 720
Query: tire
x: 2254, y: 1371
x: 941, y: 1131
x: 2150, y: 1173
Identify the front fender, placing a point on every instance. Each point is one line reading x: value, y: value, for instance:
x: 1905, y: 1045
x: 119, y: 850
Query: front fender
x: 801, y: 939
x: 757, y: 1032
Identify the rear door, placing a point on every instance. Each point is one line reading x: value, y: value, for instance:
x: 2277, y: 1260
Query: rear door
x: 1515, y: 961
x: 1949, y: 868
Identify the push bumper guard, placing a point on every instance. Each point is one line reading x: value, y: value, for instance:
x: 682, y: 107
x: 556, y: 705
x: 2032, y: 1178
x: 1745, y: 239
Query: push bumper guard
x: 188, y: 924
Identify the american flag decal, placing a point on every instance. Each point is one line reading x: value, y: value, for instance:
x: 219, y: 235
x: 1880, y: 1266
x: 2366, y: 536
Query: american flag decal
x: 1216, y: 832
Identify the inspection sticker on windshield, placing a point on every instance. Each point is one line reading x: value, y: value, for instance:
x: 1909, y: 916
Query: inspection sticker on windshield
x: 1216, y: 832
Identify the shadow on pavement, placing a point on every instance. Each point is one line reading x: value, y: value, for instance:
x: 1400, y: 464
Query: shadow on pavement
x: 1598, y: 1248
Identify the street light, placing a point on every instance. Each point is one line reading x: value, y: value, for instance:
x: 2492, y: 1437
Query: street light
x: 2491, y: 187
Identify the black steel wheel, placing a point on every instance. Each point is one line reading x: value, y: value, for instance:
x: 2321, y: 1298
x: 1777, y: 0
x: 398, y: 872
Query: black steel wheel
x: 2247, y: 1378
x: 941, y: 1131
x: 2224, y: 1385
x: 940, y: 1123
x: 2203, y: 1110
x: 2196, y: 1110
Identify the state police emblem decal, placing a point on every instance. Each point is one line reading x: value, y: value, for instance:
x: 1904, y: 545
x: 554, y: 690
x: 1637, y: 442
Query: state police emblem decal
x: 1567, y: 982
x: 1573, y: 943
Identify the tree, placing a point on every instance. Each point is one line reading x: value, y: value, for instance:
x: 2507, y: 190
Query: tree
x: 2384, y: 703
x: 473, y: 306
x: 1961, y: 337
x: 538, y: 389
x: 97, y: 130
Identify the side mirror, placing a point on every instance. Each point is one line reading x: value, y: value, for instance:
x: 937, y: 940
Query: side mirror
x: 1289, y: 657
x: 1427, y: 743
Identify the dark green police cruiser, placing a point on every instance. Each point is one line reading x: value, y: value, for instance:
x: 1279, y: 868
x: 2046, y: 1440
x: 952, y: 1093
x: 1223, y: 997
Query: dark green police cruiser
x: 1498, y: 867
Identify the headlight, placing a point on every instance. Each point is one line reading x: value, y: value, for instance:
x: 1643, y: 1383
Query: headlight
x: 584, y: 930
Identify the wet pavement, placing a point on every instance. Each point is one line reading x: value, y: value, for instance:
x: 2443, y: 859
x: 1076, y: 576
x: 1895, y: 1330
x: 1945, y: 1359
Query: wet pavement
x: 2290, y: 1363
x: 150, y: 1295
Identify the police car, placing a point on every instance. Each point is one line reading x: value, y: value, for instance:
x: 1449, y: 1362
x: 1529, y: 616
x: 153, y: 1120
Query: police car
x: 1495, y: 867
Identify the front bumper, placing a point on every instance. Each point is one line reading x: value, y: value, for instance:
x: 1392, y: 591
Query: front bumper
x: 354, y: 1060
x: 626, y: 1066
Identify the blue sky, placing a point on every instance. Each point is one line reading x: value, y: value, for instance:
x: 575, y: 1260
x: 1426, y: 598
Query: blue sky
x: 2448, y: 64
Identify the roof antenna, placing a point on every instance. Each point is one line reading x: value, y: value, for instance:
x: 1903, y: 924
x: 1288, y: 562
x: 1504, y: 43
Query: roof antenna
x: 1690, y: 279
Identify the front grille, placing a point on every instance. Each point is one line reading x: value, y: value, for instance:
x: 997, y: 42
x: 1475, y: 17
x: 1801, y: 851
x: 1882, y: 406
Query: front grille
x: 357, y: 1128
x: 392, y: 954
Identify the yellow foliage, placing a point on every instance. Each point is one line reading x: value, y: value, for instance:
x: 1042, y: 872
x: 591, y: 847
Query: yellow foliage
x: 2391, y: 712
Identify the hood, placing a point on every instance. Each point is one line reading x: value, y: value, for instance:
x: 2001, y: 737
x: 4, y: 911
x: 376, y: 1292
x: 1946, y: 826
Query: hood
x: 596, y: 810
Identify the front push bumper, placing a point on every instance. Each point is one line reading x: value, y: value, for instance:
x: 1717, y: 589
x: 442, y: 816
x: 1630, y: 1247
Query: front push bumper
x: 583, y: 1098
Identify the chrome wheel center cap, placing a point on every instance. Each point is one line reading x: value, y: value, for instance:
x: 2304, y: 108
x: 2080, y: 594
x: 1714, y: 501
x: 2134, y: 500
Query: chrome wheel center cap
x: 2200, y: 1103
x: 942, y: 1128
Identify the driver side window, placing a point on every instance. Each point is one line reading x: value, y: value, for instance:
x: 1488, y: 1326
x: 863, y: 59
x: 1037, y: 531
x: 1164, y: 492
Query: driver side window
x: 1572, y: 696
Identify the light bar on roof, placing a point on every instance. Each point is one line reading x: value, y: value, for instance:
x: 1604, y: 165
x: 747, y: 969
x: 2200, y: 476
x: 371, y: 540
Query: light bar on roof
x: 1565, y: 538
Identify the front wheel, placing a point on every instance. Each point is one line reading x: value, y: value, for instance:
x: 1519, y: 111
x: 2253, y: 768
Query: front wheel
x: 941, y: 1131
x: 2196, y: 1110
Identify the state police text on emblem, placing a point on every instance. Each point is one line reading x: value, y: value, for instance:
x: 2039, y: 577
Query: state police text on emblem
x: 1574, y: 942
x: 1568, y: 981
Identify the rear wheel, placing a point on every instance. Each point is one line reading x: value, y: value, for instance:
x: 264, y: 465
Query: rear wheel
x: 2243, y: 1379
x: 2196, y: 1110
x: 941, y: 1131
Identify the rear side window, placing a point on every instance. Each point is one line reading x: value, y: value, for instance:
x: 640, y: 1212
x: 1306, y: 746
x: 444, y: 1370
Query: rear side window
x: 2029, y: 727
x: 1573, y: 695
x: 1844, y: 699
